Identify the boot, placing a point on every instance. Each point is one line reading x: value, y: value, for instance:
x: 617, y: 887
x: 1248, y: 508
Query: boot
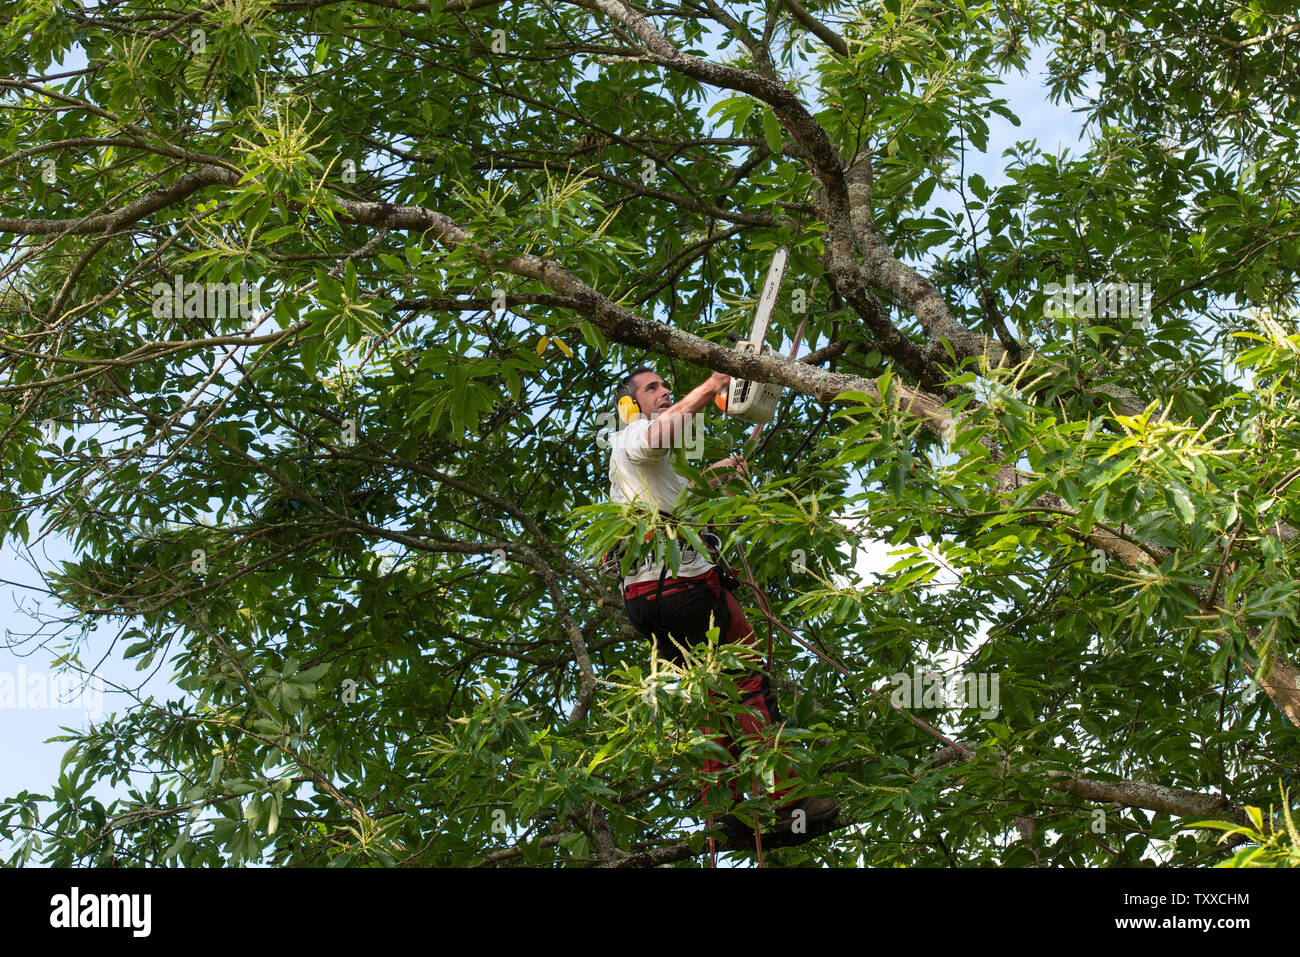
x: 815, y: 811
x: 733, y: 828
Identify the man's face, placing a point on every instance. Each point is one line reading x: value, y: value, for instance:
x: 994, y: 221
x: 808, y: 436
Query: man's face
x: 651, y: 393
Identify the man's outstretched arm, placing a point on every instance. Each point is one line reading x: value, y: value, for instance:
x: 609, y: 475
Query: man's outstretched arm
x: 667, y: 427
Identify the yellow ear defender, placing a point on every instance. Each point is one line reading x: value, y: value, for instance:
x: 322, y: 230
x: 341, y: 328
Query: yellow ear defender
x: 628, y: 410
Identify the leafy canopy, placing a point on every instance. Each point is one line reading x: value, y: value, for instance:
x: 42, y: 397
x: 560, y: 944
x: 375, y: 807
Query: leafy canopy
x: 361, y: 523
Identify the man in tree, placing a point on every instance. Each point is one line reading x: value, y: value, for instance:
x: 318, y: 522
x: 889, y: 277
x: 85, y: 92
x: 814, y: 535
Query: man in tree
x: 676, y: 611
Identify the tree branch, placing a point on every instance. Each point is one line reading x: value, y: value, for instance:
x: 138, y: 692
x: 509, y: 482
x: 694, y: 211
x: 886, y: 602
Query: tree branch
x: 817, y: 28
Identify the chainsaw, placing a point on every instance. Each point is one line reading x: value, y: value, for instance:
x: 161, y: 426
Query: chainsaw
x: 756, y: 401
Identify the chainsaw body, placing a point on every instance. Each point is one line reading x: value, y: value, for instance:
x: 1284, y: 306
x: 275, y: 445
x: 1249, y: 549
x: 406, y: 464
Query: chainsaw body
x: 752, y: 401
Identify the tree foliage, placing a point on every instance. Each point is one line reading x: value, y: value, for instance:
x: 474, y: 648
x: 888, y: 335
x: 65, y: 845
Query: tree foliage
x: 360, y: 524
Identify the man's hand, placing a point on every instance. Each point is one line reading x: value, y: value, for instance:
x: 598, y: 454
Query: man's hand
x: 731, y: 467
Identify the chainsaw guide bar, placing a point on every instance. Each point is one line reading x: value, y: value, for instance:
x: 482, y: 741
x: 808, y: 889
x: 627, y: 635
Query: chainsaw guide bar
x: 756, y: 401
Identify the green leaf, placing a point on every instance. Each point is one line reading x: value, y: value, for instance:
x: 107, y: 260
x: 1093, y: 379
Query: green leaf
x: 772, y: 131
x: 1182, y: 503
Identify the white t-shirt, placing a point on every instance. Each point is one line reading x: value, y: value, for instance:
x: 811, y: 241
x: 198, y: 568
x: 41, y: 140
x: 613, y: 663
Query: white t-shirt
x: 641, y: 474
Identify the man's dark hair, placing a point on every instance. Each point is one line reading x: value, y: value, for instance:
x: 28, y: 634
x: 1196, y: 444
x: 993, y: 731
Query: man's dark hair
x: 626, y: 387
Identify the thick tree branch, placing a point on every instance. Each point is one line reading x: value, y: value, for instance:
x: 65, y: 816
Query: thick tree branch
x: 882, y: 268
x: 1139, y: 794
x: 817, y: 28
x: 1150, y: 797
x: 132, y: 212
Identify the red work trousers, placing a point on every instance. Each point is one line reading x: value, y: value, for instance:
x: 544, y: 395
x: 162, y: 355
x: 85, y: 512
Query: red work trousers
x: 686, y: 608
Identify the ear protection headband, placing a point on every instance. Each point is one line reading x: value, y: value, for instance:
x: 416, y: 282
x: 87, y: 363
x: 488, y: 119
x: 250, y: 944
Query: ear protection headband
x: 628, y: 410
